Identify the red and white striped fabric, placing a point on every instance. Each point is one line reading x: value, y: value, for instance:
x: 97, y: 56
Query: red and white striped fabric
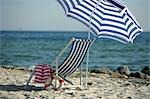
x: 42, y: 72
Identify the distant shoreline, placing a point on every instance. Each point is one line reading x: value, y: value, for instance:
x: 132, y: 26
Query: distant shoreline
x: 48, y: 31
x: 38, y: 31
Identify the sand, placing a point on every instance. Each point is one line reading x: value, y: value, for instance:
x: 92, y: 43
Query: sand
x: 100, y: 86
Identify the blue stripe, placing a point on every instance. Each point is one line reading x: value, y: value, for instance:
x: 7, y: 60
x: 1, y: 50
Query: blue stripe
x: 112, y: 36
x: 102, y: 11
x: 76, y: 58
x: 111, y: 19
x: 105, y: 8
x: 101, y: 3
x: 82, y: 57
x: 72, y: 59
x: 64, y: 66
x: 85, y: 47
x: 72, y: 3
x: 67, y: 5
x: 62, y: 6
x: 132, y: 31
x: 126, y: 21
x: 87, y: 7
x: 119, y: 27
x: 133, y: 20
x: 102, y: 7
x: 79, y: 49
x: 113, y: 31
x: 129, y: 26
x: 116, y: 4
x: 114, y: 21
x: 138, y: 32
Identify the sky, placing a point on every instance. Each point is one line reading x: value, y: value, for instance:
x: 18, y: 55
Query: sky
x: 48, y: 15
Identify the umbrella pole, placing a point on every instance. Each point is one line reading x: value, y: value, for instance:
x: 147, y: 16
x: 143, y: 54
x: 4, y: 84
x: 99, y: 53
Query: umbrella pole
x: 89, y: 36
x: 87, y: 64
x: 81, y: 75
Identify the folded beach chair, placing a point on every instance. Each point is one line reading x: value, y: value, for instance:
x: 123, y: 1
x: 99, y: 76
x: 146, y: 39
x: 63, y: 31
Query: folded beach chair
x: 73, y: 60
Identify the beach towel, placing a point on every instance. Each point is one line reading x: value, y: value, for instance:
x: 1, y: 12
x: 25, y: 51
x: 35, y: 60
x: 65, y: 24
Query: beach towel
x: 42, y: 72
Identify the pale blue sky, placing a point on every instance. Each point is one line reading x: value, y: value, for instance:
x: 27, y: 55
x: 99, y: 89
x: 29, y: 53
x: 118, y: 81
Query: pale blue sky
x: 49, y: 15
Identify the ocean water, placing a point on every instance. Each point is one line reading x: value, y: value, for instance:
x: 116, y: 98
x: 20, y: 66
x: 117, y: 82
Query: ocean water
x: 29, y: 48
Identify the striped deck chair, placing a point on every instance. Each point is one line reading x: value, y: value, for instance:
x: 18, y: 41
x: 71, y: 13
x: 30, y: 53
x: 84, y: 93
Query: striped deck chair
x: 74, y: 59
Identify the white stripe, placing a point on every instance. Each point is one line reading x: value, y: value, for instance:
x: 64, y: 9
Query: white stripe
x: 64, y: 5
x: 134, y: 37
x: 75, y: 58
x: 113, y: 34
x: 132, y: 34
x: 71, y: 59
x: 108, y: 7
x: 113, y: 29
x: 113, y: 23
x: 81, y: 58
x: 102, y: 36
x: 63, y: 66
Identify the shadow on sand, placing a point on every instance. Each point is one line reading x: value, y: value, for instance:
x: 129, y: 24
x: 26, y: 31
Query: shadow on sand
x: 20, y: 87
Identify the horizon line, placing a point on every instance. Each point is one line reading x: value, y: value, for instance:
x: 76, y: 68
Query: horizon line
x: 47, y: 31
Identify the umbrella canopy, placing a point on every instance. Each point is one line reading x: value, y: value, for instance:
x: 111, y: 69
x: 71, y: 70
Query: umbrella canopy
x: 105, y: 18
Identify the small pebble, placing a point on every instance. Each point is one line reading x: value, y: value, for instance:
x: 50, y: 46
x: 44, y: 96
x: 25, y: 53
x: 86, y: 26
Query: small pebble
x: 129, y: 97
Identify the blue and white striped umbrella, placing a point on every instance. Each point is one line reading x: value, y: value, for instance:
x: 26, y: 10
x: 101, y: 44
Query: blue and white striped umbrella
x: 105, y: 18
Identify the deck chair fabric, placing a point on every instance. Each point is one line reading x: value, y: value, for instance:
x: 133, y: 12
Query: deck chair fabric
x: 74, y: 58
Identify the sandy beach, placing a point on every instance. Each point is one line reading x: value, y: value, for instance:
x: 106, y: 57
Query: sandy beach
x: 100, y: 86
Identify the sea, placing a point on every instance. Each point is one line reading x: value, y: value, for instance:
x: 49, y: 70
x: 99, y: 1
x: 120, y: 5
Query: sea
x: 29, y: 48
